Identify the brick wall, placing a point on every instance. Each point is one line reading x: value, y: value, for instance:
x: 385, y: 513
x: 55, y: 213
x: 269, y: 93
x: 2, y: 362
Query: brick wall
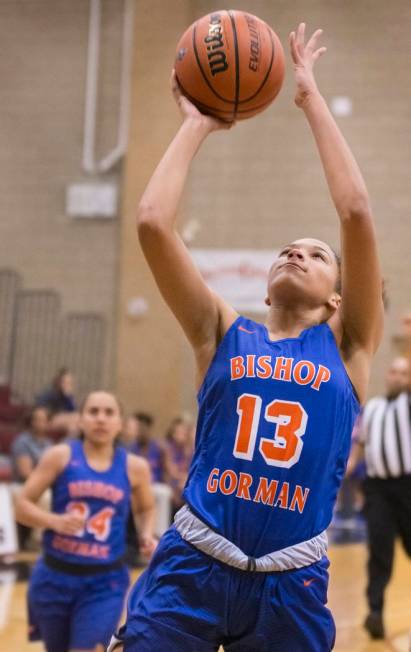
x: 42, y: 71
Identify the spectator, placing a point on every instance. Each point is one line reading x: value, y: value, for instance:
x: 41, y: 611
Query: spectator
x: 59, y: 400
x: 60, y: 396
x: 178, y: 455
x: 191, y: 436
x: 128, y: 437
x: 29, y: 446
x: 148, y: 447
x: 153, y: 451
x: 26, y: 451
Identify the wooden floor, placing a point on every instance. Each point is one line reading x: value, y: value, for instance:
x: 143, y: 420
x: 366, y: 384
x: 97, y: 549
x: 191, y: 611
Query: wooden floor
x: 346, y: 602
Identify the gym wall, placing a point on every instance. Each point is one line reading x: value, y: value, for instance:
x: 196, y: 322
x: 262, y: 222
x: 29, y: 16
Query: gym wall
x: 259, y: 185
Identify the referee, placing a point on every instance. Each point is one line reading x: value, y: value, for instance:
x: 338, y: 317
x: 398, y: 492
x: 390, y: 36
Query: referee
x: 385, y: 444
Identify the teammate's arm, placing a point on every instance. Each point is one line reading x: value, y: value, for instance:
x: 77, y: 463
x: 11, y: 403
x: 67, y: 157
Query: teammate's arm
x: 41, y: 478
x: 362, y: 310
x: 142, y: 502
x: 203, y: 316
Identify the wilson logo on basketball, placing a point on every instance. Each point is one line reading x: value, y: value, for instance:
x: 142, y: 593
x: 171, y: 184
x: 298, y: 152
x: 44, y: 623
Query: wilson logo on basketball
x: 215, y: 46
x: 254, y: 43
x: 233, y: 64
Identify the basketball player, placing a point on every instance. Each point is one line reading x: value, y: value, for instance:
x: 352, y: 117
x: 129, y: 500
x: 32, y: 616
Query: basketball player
x: 77, y: 588
x: 244, y: 565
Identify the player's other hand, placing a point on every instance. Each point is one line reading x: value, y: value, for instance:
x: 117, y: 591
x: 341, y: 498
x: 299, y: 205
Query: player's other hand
x: 148, y: 544
x: 69, y: 524
x: 304, y: 56
x: 189, y: 111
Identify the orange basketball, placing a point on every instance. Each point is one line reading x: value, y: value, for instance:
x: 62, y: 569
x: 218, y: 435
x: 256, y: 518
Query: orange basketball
x: 230, y: 64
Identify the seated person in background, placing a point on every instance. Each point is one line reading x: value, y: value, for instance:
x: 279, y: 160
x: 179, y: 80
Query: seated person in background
x: 149, y: 447
x: 152, y: 450
x: 59, y: 400
x: 29, y: 445
x: 128, y: 436
x: 128, y: 440
x: 178, y: 454
x: 191, y: 436
x: 26, y: 451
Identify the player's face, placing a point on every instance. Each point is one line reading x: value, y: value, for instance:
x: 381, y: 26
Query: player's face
x: 67, y: 384
x: 100, y: 419
x: 305, y: 272
x: 180, y: 434
x: 130, y: 430
x: 40, y: 422
x: 143, y: 432
x: 398, y: 376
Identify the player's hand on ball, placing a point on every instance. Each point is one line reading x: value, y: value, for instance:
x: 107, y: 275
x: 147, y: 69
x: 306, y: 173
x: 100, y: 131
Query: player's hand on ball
x: 69, y: 524
x: 304, y: 56
x: 148, y: 545
x: 188, y: 110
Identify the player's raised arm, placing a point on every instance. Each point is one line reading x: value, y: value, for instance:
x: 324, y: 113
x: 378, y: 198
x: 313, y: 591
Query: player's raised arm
x: 361, y: 312
x: 200, y: 313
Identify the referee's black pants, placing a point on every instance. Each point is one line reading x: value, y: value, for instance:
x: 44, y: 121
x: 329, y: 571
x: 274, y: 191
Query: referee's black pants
x: 387, y: 511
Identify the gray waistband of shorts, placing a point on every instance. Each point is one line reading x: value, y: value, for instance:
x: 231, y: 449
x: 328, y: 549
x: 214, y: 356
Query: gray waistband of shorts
x: 194, y: 531
x: 115, y: 644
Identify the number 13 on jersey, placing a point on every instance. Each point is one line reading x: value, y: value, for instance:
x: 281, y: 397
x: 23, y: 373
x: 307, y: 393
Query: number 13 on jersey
x: 290, y: 421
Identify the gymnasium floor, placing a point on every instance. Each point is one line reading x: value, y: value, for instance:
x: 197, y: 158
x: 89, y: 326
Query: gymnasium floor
x: 346, y: 601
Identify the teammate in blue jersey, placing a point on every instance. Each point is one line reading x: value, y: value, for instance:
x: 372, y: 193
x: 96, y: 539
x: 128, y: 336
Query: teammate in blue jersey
x: 77, y: 588
x: 244, y: 565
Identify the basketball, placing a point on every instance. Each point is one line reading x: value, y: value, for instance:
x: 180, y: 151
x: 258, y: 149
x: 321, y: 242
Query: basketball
x: 230, y: 64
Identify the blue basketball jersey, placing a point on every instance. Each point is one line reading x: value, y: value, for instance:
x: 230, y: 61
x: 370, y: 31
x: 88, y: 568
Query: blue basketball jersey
x: 102, y: 498
x: 273, y: 437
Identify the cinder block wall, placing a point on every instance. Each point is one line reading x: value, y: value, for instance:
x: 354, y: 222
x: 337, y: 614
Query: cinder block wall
x: 42, y: 72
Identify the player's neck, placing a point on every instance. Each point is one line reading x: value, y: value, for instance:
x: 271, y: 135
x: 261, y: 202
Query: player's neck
x: 38, y: 436
x: 98, y: 453
x: 282, y: 322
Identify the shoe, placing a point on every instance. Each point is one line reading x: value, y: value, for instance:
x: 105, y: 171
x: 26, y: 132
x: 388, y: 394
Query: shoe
x: 374, y: 625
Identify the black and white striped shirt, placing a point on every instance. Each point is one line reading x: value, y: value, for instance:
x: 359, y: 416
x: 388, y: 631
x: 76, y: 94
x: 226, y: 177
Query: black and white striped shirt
x: 386, y: 434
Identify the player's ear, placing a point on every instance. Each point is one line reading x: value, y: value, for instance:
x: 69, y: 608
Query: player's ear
x: 334, y: 301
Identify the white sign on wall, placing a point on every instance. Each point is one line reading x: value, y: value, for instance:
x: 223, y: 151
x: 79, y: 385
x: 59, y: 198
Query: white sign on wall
x: 238, y: 275
x: 8, y: 539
